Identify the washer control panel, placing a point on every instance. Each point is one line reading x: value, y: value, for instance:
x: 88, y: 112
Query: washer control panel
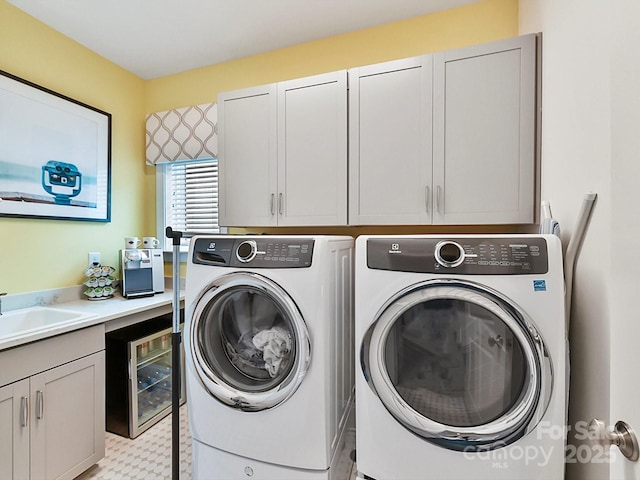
x: 459, y: 255
x: 254, y: 252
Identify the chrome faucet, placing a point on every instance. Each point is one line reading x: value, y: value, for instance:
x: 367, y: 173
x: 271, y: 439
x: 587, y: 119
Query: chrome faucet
x: 1, y: 295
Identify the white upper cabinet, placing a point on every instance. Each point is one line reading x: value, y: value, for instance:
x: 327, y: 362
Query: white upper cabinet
x: 248, y: 156
x: 312, y: 150
x: 484, y: 133
x: 283, y: 153
x: 390, y: 162
x: 445, y: 139
x: 448, y: 138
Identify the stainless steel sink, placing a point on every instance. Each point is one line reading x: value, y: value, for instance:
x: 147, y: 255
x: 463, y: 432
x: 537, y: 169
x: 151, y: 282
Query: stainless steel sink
x: 27, y: 320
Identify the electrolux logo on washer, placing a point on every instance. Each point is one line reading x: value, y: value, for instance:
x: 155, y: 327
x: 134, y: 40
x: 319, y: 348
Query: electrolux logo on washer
x: 395, y: 248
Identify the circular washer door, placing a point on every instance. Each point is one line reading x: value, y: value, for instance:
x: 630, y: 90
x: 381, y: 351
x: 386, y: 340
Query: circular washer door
x: 458, y: 364
x: 248, y: 341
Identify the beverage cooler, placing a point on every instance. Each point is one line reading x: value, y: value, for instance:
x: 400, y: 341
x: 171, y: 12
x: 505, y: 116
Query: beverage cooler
x: 138, y: 376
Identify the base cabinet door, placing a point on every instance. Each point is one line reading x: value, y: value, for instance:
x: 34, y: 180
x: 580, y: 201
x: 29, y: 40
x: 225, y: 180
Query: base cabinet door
x: 67, y: 418
x: 14, y: 431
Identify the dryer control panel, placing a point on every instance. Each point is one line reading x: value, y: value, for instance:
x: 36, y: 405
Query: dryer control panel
x: 254, y: 252
x: 459, y: 255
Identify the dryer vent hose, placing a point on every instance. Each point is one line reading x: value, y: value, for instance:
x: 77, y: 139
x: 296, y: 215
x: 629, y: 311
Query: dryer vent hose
x: 573, y: 249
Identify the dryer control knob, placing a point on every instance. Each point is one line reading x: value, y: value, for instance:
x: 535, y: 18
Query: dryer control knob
x: 449, y: 254
x: 246, y: 251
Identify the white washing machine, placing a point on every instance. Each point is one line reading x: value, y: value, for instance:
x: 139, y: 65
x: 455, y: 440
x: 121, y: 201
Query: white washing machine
x: 269, y: 355
x: 461, y: 347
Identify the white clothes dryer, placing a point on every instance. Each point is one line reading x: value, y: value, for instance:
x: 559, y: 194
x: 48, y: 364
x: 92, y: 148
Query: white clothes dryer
x: 462, y: 353
x: 269, y: 355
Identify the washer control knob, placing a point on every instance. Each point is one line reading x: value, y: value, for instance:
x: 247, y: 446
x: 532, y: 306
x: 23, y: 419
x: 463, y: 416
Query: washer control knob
x: 246, y: 251
x: 449, y: 254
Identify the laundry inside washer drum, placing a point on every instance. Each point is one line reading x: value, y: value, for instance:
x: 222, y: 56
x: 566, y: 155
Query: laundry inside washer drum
x: 248, y: 342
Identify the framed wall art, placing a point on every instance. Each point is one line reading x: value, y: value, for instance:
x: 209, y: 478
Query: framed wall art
x: 55, y: 154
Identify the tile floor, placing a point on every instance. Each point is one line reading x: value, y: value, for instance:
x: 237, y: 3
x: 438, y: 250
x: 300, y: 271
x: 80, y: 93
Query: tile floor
x: 148, y: 456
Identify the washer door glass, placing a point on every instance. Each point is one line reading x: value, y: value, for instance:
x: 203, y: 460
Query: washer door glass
x: 459, y: 365
x: 249, y: 342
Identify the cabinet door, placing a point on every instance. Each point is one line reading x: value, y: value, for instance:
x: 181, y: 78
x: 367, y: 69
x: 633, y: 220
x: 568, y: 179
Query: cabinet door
x: 67, y: 418
x: 247, y: 156
x: 14, y: 430
x: 390, y: 107
x: 484, y: 133
x: 312, y: 150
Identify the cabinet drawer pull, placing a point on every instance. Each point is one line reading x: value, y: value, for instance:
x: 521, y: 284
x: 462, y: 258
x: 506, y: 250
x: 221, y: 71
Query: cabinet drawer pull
x: 273, y: 204
x: 426, y: 199
x: 24, y: 411
x: 280, y: 203
x: 39, y: 404
x: 438, y: 195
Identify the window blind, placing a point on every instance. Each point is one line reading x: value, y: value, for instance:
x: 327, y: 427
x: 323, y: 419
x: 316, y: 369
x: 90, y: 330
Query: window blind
x: 192, y: 196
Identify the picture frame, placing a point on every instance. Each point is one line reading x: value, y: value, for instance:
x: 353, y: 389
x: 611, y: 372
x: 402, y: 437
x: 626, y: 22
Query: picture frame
x: 55, y: 154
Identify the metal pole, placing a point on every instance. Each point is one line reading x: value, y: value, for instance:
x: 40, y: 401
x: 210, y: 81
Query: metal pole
x: 175, y: 357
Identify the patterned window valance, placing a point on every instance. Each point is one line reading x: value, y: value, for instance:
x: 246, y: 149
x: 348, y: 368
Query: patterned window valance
x: 187, y: 133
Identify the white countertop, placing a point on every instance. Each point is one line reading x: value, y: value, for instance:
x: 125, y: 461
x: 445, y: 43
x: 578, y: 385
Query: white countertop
x: 95, y: 312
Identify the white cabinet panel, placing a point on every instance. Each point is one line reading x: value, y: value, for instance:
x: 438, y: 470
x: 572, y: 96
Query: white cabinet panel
x: 484, y: 133
x: 445, y: 139
x: 390, y: 142
x: 67, y: 418
x: 247, y: 122
x: 52, y: 406
x: 283, y: 153
x: 448, y: 138
x: 312, y: 150
x: 14, y: 431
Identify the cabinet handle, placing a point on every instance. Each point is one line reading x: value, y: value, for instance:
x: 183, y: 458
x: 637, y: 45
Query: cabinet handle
x: 426, y: 199
x: 24, y: 411
x: 438, y: 195
x: 273, y: 204
x: 39, y: 404
x: 280, y: 203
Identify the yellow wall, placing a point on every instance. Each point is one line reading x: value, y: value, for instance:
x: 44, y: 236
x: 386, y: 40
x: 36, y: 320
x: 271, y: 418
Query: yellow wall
x: 43, y: 254
x: 472, y: 24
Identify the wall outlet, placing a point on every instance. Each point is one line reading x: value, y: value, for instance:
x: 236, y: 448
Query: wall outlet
x: 94, y: 257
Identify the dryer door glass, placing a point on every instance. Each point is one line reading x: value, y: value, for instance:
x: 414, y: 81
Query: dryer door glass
x: 459, y: 365
x: 250, y: 342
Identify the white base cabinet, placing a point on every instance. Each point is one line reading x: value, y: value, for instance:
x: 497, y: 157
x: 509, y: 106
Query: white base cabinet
x: 53, y: 421
x: 14, y: 431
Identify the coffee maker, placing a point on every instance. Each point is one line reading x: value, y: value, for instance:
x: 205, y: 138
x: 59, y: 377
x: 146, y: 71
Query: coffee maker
x: 142, y: 272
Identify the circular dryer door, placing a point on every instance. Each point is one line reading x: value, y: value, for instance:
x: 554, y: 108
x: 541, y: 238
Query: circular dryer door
x: 248, y: 341
x: 458, y: 364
